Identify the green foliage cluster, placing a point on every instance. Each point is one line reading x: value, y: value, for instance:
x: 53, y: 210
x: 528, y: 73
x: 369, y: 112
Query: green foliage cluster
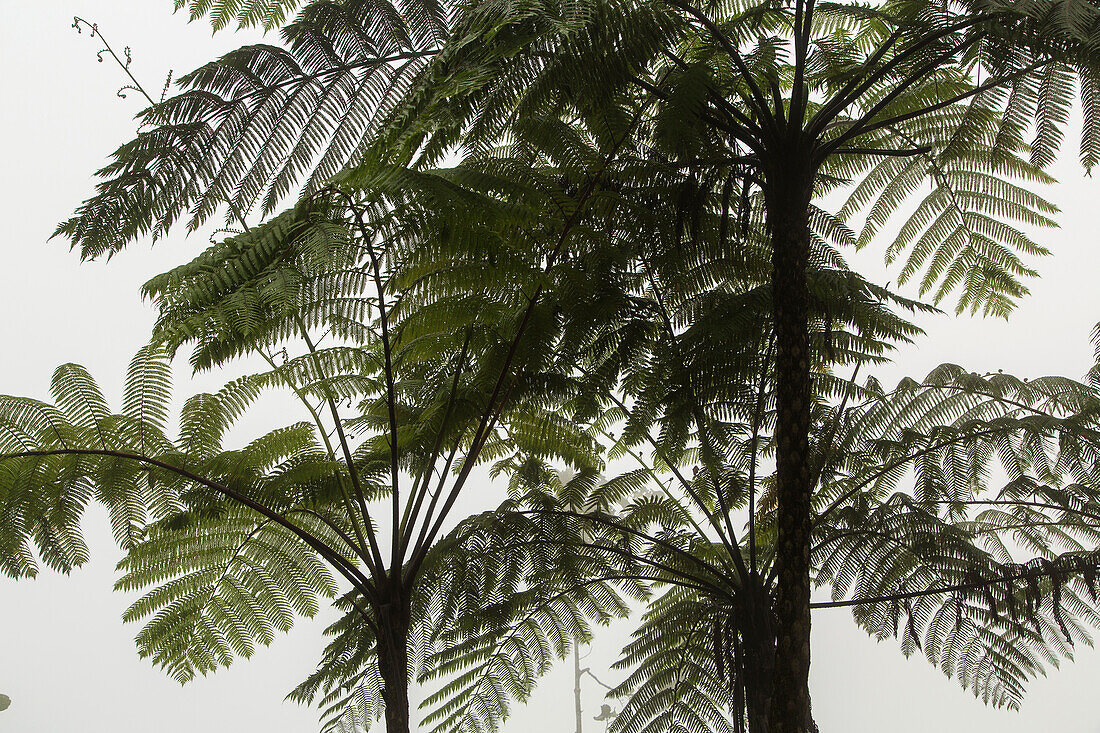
x: 547, y: 238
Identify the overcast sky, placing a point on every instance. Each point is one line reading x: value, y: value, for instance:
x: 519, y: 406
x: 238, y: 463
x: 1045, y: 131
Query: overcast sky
x: 66, y: 659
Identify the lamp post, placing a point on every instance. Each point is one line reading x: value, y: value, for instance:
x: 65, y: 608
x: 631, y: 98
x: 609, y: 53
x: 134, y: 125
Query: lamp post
x: 606, y: 713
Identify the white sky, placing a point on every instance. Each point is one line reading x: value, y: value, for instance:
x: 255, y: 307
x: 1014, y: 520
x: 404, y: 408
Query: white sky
x: 66, y: 659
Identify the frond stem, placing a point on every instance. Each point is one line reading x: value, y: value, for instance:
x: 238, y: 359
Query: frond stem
x: 391, y: 390
x: 865, y: 78
x: 360, y: 547
x: 680, y: 476
x: 378, y: 565
x: 338, y: 562
x: 864, y: 125
x: 420, y: 486
x: 1031, y: 573
x: 616, y: 526
x: 708, y: 453
x: 683, y: 510
x: 761, y: 104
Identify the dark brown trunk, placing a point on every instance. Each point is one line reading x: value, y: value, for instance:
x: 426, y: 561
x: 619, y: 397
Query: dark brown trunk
x: 393, y: 659
x: 758, y: 653
x: 788, y: 191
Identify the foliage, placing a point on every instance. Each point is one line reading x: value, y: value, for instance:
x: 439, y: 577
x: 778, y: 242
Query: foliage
x: 991, y: 579
x: 599, y: 259
x: 437, y: 377
x: 267, y: 15
x: 163, y: 497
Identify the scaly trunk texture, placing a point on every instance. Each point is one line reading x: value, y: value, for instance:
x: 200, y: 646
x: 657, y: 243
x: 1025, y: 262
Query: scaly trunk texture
x: 788, y: 190
x: 393, y: 658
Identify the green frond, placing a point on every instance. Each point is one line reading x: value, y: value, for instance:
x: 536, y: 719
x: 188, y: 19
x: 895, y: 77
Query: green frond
x: 937, y: 443
x: 673, y: 684
x: 222, y: 586
x: 80, y: 400
x: 266, y: 14
x: 610, y: 205
x: 505, y: 611
x: 261, y: 120
x: 146, y: 397
x: 346, y: 683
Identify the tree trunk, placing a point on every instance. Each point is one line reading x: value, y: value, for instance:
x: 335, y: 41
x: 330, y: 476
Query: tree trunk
x: 757, y: 626
x: 788, y: 191
x: 393, y: 659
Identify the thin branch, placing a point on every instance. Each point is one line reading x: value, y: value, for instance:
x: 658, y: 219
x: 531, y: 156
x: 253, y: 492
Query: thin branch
x: 835, y: 426
x: 761, y: 106
x: 331, y: 525
x: 754, y: 451
x: 440, y: 484
x: 956, y: 439
x: 865, y: 78
x: 864, y: 126
x: 676, y: 472
x: 378, y: 566
x: 618, y: 527
x: 1011, y: 502
x: 902, y: 86
x: 876, y: 475
x: 743, y: 134
x: 675, y: 576
x: 804, y: 15
x: 709, y: 453
x: 664, y: 489
x: 387, y: 352
x: 885, y: 152
x: 588, y: 671
x: 360, y: 547
x: 94, y: 31
x: 739, y: 118
x: 321, y: 76
x: 420, y: 486
x: 955, y: 388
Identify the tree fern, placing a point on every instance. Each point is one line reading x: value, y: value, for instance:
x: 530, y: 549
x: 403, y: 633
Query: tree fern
x: 678, y: 151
